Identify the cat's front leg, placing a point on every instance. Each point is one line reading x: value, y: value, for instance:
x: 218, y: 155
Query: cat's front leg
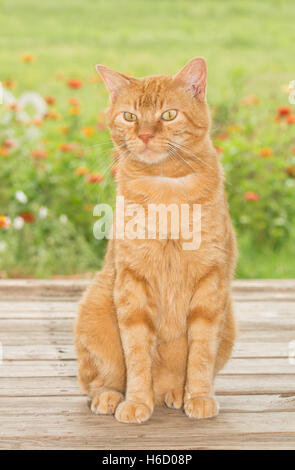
x: 135, y: 318
x: 205, y: 321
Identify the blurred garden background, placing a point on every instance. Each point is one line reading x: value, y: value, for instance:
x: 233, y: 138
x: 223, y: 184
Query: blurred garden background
x: 56, y: 158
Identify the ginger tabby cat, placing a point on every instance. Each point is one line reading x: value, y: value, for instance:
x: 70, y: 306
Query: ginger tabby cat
x: 156, y: 325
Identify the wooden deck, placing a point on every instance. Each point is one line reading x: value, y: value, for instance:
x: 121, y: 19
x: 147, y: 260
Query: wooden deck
x: 41, y: 406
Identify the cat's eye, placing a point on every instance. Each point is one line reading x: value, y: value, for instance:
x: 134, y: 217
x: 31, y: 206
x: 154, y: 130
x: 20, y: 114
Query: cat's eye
x: 169, y: 115
x: 129, y: 116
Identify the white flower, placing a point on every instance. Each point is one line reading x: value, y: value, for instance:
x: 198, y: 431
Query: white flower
x: 3, y: 246
x: 18, y: 223
x: 63, y: 219
x: 34, y: 100
x: 21, y: 197
x: 43, y: 212
x: 33, y: 133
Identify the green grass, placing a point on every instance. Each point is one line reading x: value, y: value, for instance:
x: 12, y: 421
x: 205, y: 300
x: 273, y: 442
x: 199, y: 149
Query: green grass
x: 250, y: 50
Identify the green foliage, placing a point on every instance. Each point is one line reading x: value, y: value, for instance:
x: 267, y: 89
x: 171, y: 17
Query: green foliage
x: 249, y: 49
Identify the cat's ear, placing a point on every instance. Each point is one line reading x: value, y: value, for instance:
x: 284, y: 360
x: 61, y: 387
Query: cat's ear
x: 114, y: 81
x: 193, y: 77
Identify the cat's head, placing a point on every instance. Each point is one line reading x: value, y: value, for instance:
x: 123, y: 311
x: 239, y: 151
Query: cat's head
x: 154, y: 117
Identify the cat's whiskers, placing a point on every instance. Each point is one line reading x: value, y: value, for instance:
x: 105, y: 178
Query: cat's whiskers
x: 177, y: 154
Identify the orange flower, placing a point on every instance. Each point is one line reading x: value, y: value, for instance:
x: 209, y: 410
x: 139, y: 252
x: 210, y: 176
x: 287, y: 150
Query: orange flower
x: 291, y: 119
x: 83, y: 170
x: 49, y: 100
x: 249, y: 100
x: 28, y: 58
x: 28, y: 217
x: 265, y: 152
x: 88, y: 131
x: 89, y: 207
x: 293, y: 150
x: 3, y: 151
x: 114, y: 170
x: 233, y: 128
x: 75, y: 110
x: 74, y: 83
x: 12, y: 107
x: 250, y: 196
x: 4, y: 222
x: 9, y: 84
x: 74, y: 101
x: 222, y: 136
x: 39, y: 154
x: 284, y: 110
x: 37, y: 121
x: 218, y: 149
x: 52, y: 115
x: 64, y: 129
x: 116, y: 156
x: 95, y: 178
x: 290, y: 170
x: 79, y: 153
x: 67, y: 147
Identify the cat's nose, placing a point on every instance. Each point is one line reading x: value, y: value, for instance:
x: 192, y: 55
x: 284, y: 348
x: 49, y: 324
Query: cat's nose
x: 145, y: 137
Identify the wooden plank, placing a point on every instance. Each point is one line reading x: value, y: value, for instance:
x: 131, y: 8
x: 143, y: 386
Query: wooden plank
x: 167, y: 429
x: 224, y: 385
x: 40, y: 352
x: 253, y: 349
x: 79, y: 405
x: 262, y: 366
x: 72, y: 289
x: 266, y: 441
x: 42, y: 386
x: 37, y: 309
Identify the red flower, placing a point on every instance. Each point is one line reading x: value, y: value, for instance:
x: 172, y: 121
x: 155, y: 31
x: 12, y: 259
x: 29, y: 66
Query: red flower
x: 95, y: 178
x: 8, y: 143
x: 75, y: 83
x: 284, y: 110
x: 291, y: 119
x: 39, y: 154
x: 28, y: 217
x: 67, y: 147
x: 250, y: 196
x: 101, y: 126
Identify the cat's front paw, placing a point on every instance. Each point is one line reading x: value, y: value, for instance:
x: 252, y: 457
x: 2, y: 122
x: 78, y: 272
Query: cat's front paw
x: 174, y: 398
x: 201, y: 407
x: 132, y: 412
x: 106, y: 402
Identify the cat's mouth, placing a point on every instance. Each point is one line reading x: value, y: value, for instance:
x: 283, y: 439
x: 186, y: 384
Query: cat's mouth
x: 151, y: 156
